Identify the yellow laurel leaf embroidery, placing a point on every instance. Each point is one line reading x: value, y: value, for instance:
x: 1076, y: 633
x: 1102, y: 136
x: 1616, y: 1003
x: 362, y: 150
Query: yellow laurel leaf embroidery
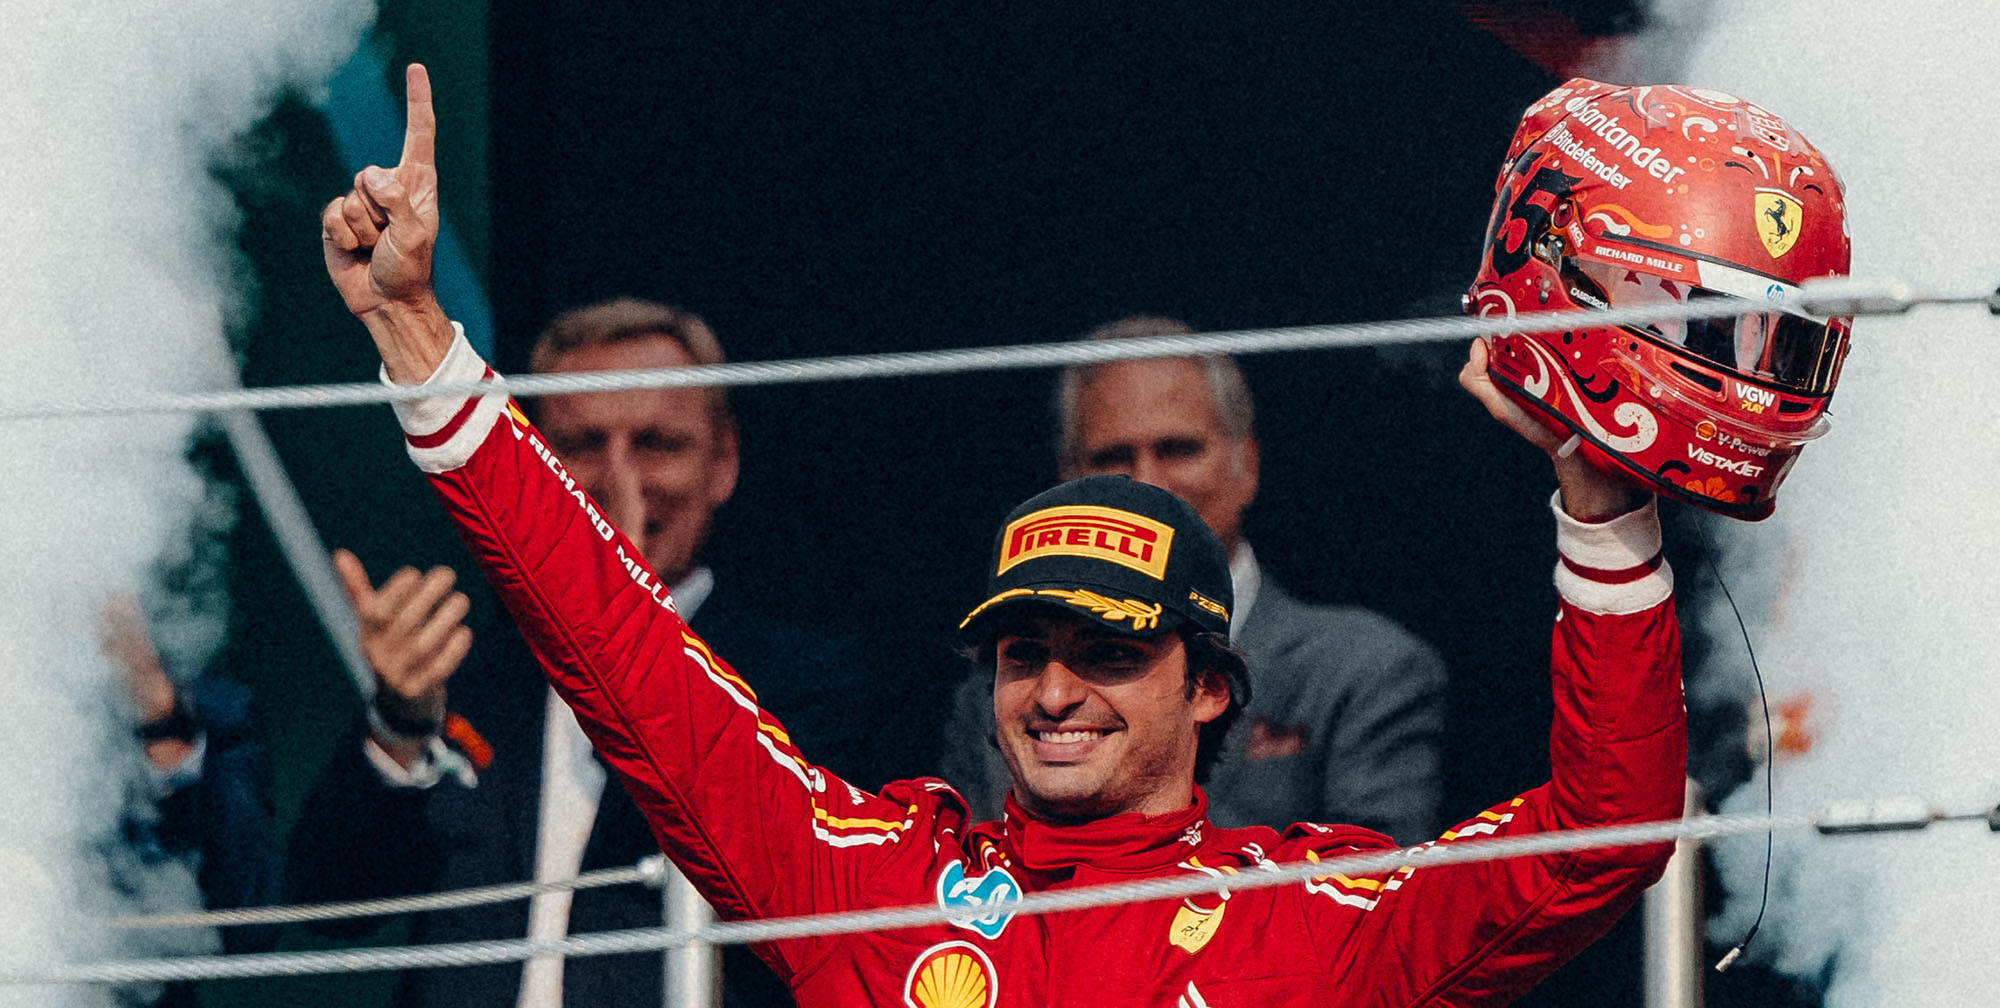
x: 1142, y: 615
x: 990, y: 603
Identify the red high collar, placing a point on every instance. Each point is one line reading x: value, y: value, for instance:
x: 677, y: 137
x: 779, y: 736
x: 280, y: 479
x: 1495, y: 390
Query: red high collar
x: 1125, y: 844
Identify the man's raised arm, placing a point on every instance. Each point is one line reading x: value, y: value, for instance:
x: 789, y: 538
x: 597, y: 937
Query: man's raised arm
x: 378, y: 239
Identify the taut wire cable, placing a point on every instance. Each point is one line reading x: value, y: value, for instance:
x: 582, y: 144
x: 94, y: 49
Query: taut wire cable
x: 649, y: 871
x: 1851, y: 817
x: 1837, y: 296
x: 1841, y: 296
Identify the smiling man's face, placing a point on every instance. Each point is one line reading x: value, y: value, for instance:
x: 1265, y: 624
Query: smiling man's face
x: 1093, y: 722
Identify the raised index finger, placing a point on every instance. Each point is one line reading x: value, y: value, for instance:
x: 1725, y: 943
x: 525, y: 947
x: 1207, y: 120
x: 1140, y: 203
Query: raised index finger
x: 420, y: 134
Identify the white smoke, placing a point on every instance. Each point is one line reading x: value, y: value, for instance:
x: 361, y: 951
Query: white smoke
x: 1872, y: 590
x: 117, y: 271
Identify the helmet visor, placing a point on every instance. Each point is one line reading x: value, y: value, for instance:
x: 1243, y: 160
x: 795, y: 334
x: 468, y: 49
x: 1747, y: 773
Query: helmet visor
x: 1794, y: 351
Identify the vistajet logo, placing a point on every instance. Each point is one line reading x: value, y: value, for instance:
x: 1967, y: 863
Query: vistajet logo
x: 1741, y: 467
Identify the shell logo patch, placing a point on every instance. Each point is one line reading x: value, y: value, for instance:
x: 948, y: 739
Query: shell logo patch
x: 989, y: 892
x: 1091, y: 532
x: 951, y: 975
x: 1778, y: 217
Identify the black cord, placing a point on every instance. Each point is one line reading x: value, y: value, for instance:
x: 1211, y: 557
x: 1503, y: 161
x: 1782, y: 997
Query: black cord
x: 1770, y: 748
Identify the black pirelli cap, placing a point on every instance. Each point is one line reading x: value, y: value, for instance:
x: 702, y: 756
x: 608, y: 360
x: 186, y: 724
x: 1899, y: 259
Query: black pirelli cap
x: 1132, y: 555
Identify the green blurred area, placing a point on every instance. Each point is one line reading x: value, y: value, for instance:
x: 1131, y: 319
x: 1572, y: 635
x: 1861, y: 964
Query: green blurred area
x: 347, y: 464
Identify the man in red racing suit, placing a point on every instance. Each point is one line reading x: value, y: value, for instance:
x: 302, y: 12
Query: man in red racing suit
x: 764, y: 833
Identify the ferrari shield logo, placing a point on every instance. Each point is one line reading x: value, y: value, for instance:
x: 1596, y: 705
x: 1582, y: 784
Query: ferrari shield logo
x: 1777, y: 221
x: 1193, y: 927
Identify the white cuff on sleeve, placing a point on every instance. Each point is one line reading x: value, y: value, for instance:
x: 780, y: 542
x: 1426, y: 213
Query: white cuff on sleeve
x: 1613, y: 567
x: 437, y: 762
x: 443, y: 432
x: 421, y: 773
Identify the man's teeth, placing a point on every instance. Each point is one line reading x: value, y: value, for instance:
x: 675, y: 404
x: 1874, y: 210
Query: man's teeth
x: 1061, y: 737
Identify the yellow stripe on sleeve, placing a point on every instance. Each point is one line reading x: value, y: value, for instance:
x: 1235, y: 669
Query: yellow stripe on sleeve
x: 837, y: 822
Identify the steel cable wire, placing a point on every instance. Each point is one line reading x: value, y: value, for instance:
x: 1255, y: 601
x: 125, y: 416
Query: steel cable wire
x: 1825, y: 298
x: 649, y: 871
x: 1850, y: 818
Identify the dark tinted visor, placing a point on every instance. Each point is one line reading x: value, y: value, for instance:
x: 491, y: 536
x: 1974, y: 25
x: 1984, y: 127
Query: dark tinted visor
x: 1799, y: 353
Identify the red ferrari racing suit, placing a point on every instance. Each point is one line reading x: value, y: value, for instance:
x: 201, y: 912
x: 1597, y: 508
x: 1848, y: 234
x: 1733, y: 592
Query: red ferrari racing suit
x: 764, y: 833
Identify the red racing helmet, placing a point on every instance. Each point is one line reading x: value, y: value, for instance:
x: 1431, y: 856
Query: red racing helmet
x: 1619, y: 196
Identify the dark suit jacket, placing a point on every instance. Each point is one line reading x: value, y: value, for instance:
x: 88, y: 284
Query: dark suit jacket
x: 1344, y: 722
x: 358, y: 838
x: 221, y: 824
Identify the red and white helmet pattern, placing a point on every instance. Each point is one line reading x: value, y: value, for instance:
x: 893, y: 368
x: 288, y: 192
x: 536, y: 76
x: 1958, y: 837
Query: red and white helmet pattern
x: 1618, y: 196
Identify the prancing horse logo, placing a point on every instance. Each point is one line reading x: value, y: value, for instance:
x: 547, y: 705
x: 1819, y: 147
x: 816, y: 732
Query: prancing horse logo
x: 1777, y: 221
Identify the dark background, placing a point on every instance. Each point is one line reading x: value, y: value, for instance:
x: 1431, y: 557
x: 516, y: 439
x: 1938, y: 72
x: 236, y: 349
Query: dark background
x: 879, y: 177
x: 859, y: 181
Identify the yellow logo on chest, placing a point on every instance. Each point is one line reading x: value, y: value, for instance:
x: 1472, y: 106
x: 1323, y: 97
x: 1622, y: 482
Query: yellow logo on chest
x: 1192, y: 927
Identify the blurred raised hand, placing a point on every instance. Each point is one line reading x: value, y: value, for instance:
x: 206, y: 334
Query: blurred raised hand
x: 414, y: 636
x: 123, y: 638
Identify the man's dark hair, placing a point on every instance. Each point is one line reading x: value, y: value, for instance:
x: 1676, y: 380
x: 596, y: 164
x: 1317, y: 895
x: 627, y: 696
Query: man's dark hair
x: 626, y: 320
x: 1228, y: 391
x: 1208, y: 651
